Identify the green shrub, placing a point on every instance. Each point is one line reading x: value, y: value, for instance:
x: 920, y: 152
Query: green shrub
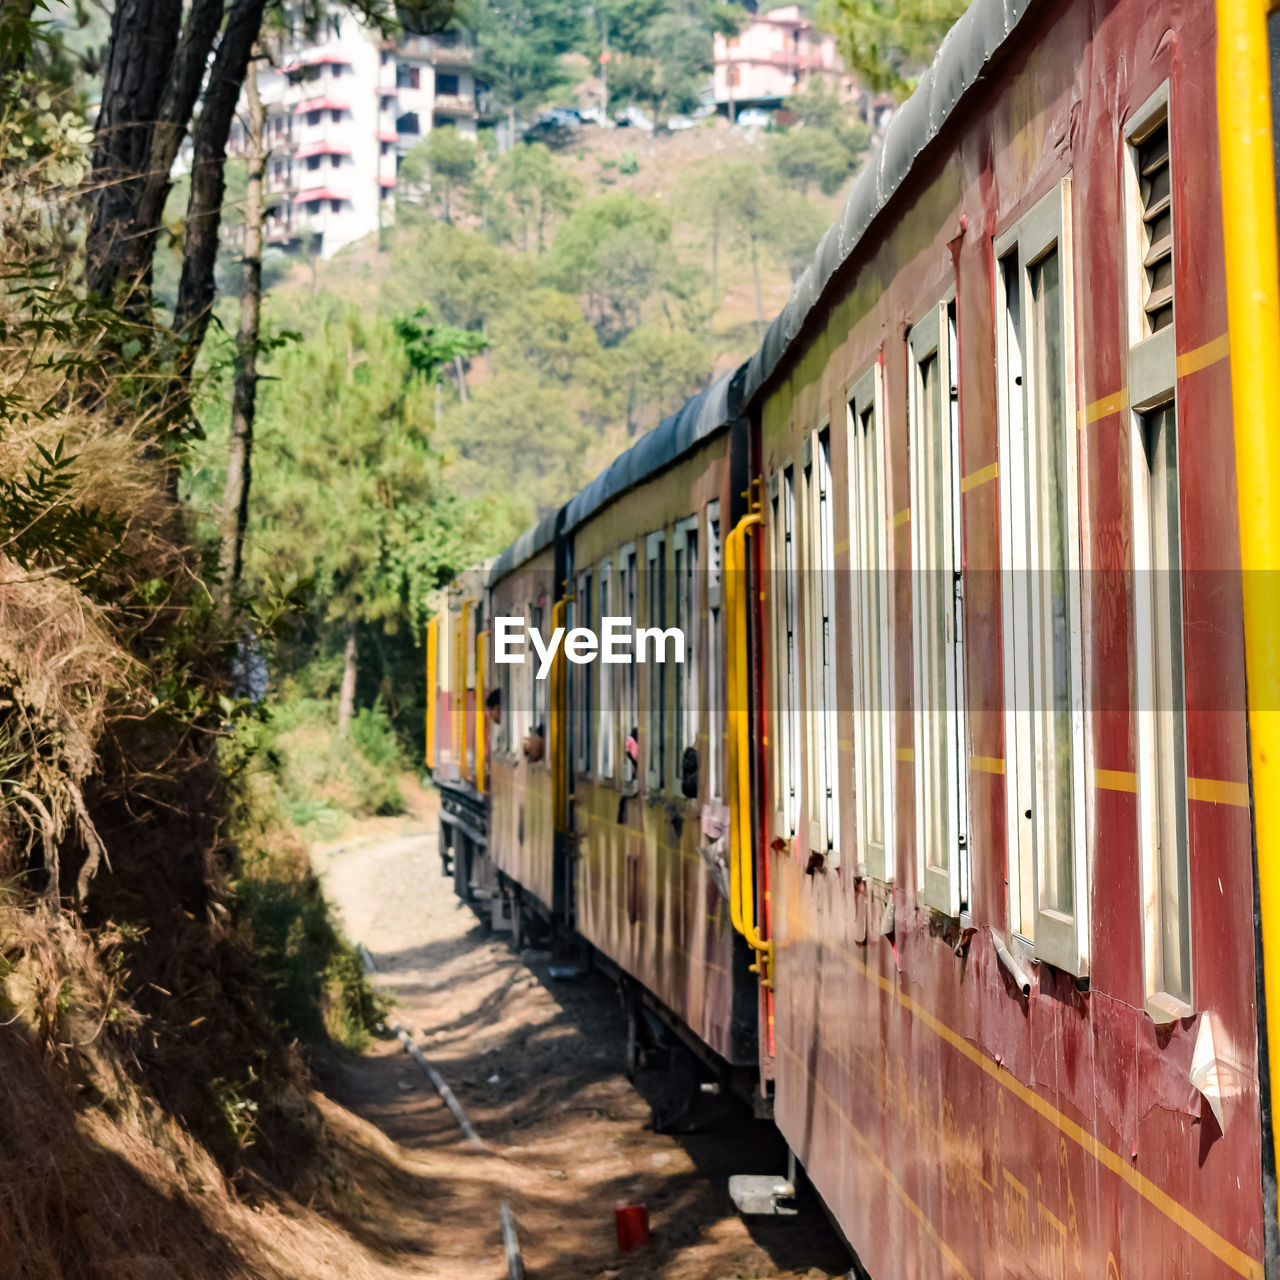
x: 628, y: 164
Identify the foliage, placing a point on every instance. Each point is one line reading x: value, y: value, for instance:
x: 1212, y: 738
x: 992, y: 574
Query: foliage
x: 448, y: 160
x: 430, y: 348
x: 667, y: 66
x: 547, y: 332
x: 662, y: 49
x: 533, y: 458
x: 616, y: 251
x: 290, y: 769
x: 349, y: 490
x: 537, y: 189
x: 654, y: 372
x: 464, y: 278
x: 887, y: 43
x: 519, y: 44
x: 808, y: 157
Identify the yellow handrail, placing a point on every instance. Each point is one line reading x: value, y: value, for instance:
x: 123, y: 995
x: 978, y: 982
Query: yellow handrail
x: 458, y: 668
x: 433, y: 689
x: 482, y: 718
x: 742, y: 908
x: 731, y: 682
x: 1253, y: 319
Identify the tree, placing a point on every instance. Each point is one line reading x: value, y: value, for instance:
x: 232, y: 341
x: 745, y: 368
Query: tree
x: 450, y: 161
x: 811, y: 156
x: 463, y: 276
x: 546, y: 332
x: 244, y: 393
x: 656, y: 370
x: 792, y: 229
x: 519, y: 44
x: 350, y: 492
x: 519, y: 441
x: 667, y: 67
x: 732, y: 200
x: 538, y: 188
x: 888, y: 42
x: 616, y: 251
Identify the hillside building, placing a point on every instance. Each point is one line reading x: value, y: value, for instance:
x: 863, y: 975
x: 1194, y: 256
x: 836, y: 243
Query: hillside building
x: 775, y: 55
x: 341, y: 112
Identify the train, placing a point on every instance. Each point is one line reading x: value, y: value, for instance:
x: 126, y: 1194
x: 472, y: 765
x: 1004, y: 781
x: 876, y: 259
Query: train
x: 952, y: 844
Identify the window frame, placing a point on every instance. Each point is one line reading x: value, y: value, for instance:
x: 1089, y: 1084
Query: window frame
x: 871, y: 565
x: 582, y: 615
x: 818, y: 602
x: 687, y: 712
x: 1059, y: 938
x: 655, y: 740
x: 607, y: 727
x: 629, y: 593
x: 941, y: 886
x: 716, y: 653
x: 1152, y: 380
x: 784, y: 606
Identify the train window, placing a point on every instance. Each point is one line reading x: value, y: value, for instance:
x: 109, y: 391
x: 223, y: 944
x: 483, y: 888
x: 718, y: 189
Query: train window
x: 1161, y: 718
x: 608, y: 728
x: 655, y: 735
x: 684, y: 559
x: 873, y: 718
x: 941, y: 777
x: 1149, y: 205
x: 582, y: 677
x: 628, y: 589
x: 1040, y: 543
x: 538, y: 695
x: 824, y: 819
x: 784, y: 584
x: 1157, y: 563
x: 715, y: 655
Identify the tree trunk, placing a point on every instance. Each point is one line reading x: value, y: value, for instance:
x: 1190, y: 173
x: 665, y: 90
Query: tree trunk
x: 244, y: 394
x: 144, y: 38
x: 460, y: 372
x: 347, y: 698
x: 755, y: 271
x: 197, y: 287
x: 179, y: 101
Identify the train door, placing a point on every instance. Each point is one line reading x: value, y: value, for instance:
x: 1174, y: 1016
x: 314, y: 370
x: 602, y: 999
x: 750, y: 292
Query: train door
x: 937, y: 596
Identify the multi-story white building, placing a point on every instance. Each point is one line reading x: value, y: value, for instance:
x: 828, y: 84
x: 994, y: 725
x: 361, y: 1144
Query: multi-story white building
x: 341, y: 113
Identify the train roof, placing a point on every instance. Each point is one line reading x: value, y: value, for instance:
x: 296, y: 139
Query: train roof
x: 699, y: 417
x: 963, y: 55
x: 961, y: 59
x: 526, y: 546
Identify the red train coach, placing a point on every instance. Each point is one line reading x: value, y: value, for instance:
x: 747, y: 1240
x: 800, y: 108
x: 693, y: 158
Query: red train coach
x: 1014, y: 916
x: 940, y: 843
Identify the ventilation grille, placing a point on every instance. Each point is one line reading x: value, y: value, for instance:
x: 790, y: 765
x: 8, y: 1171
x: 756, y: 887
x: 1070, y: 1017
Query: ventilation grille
x: 1157, y: 227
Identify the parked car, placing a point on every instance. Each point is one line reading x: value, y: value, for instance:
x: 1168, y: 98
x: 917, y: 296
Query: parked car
x: 679, y: 123
x: 633, y: 117
x: 753, y: 118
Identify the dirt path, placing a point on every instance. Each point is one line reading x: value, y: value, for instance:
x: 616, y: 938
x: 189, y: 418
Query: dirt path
x: 538, y: 1065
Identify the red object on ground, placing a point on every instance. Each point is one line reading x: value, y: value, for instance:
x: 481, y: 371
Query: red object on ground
x: 632, y: 1221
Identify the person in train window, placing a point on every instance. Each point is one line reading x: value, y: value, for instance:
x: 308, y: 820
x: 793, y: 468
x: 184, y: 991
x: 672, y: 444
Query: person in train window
x: 535, y: 744
x: 493, y: 706
x: 632, y: 750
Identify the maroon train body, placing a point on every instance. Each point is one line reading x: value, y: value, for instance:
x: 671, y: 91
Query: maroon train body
x: 998, y: 978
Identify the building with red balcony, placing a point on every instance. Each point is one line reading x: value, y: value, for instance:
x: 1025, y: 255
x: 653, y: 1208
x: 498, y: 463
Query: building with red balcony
x: 775, y: 55
x: 342, y: 108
